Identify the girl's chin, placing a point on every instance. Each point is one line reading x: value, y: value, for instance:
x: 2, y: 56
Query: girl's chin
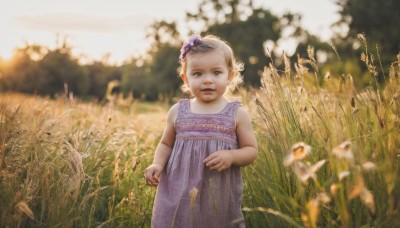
x: 207, y: 99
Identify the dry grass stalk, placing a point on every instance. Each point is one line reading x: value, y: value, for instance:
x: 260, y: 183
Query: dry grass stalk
x: 23, y: 207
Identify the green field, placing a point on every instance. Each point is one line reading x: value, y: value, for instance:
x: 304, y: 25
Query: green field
x: 329, y: 156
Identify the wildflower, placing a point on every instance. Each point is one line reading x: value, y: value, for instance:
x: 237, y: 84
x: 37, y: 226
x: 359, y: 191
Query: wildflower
x: 344, y: 151
x: 368, y: 199
x: 297, y: 152
x: 368, y: 166
x: 193, y: 195
x: 323, y: 197
x: 305, y: 172
x: 314, y: 168
x: 302, y: 172
x: 327, y: 75
x: 357, y: 188
x: 313, y: 212
x: 343, y: 174
x: 334, y: 189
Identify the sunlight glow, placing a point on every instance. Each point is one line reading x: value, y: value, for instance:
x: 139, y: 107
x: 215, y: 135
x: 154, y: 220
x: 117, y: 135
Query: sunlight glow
x: 117, y: 29
x: 6, y: 54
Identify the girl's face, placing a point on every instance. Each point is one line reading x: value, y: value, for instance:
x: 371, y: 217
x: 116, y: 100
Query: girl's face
x: 207, y: 75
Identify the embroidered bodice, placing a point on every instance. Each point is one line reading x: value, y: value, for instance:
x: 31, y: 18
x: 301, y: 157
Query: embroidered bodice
x: 220, y: 126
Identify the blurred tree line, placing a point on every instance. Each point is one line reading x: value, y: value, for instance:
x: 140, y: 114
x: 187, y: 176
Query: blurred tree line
x: 254, y: 34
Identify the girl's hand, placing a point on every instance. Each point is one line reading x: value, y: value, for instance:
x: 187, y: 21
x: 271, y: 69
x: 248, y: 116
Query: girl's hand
x: 152, y: 174
x: 219, y: 160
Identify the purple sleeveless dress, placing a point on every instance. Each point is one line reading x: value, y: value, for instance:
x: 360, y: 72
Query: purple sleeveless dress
x: 189, y: 193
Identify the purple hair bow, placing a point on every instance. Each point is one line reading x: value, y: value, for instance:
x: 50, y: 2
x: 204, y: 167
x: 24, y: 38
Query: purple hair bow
x: 193, y: 41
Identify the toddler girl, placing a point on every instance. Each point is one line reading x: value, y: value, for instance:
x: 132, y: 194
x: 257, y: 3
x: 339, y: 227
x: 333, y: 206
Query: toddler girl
x: 205, y: 142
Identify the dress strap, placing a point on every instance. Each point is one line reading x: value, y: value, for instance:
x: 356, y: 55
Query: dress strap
x: 231, y: 109
x: 183, y: 106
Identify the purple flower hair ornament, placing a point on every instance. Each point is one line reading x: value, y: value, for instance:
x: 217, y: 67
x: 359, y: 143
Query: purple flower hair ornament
x: 193, y: 41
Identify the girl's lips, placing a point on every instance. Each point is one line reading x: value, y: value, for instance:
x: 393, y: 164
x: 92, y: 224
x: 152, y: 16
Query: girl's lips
x: 207, y: 90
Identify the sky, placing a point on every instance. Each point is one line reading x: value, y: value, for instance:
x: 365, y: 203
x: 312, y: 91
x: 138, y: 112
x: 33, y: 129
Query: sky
x: 96, y: 28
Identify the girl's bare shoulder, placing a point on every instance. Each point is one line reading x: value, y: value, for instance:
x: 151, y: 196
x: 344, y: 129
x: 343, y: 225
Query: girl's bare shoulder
x: 242, y: 114
x: 173, y: 112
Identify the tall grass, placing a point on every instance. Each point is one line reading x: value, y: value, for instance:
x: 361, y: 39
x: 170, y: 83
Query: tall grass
x: 329, y: 155
x: 66, y: 164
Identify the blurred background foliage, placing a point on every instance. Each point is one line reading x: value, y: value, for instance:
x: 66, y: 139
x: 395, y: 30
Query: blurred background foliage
x: 252, y: 32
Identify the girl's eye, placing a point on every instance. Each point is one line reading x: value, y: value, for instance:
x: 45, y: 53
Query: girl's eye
x: 197, y: 74
x: 217, y: 73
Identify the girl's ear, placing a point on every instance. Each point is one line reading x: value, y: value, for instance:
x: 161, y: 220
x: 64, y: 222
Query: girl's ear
x: 230, y: 75
x: 184, y: 78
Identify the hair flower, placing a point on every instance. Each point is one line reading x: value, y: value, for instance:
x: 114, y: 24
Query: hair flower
x: 193, y: 41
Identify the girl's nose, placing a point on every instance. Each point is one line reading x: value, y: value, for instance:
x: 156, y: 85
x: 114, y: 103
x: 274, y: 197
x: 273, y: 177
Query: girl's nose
x: 208, y: 78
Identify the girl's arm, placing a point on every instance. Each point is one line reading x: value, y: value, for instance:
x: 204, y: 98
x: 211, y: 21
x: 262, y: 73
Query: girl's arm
x: 247, y: 151
x: 163, y: 150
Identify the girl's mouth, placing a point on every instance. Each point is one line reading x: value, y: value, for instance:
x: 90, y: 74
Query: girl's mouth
x: 207, y: 90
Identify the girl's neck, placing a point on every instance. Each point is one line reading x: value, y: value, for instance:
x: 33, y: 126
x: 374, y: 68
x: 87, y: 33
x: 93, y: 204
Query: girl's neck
x: 214, y: 107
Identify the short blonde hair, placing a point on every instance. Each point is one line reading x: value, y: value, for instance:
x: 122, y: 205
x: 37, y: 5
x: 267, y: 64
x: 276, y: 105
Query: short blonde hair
x: 210, y: 43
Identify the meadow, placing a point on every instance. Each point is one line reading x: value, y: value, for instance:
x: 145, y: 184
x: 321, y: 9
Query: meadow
x: 329, y: 155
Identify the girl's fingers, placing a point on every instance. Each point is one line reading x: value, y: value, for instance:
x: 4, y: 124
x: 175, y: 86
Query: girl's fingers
x: 212, y: 162
x: 213, y: 167
x: 208, y: 159
x: 157, y: 175
x: 215, y: 163
x: 151, y: 177
x: 152, y: 181
x: 218, y: 166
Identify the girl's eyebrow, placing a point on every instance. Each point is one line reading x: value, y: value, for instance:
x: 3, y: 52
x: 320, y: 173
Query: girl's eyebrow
x: 218, y: 68
x: 195, y: 69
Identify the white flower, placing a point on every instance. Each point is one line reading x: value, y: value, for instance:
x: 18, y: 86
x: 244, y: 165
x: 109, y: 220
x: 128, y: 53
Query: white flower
x: 344, y: 151
x: 298, y: 152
